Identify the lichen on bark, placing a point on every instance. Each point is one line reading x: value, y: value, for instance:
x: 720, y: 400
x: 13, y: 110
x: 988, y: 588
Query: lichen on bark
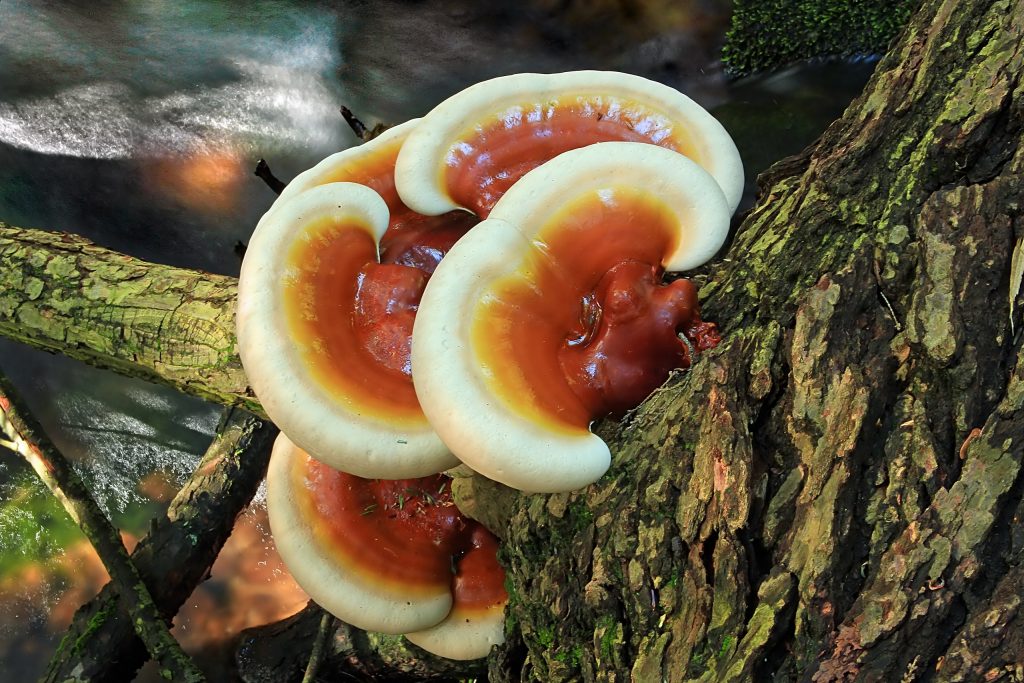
x: 62, y: 293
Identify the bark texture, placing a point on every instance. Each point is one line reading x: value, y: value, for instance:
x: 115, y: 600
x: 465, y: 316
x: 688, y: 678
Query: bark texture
x: 62, y: 293
x: 834, y: 493
x: 830, y: 494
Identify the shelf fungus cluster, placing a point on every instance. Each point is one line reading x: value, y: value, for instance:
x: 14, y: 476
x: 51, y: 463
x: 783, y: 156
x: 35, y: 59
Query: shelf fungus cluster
x: 475, y: 286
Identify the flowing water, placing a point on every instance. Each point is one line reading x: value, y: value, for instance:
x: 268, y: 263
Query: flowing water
x: 138, y: 124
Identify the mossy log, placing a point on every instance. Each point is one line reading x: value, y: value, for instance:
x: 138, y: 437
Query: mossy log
x: 833, y: 493
x: 64, y: 294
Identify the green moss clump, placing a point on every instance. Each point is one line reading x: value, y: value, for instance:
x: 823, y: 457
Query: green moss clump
x: 766, y: 34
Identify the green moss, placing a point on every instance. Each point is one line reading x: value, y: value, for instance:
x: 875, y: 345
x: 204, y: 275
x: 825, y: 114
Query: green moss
x: 389, y: 647
x: 545, y: 636
x: 725, y: 647
x: 766, y: 34
x: 95, y: 622
x: 698, y: 658
x: 606, y: 627
x: 583, y: 515
x: 572, y: 657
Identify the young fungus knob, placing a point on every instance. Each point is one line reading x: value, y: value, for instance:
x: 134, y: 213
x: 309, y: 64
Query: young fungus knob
x: 470, y: 149
x: 550, y: 314
x: 394, y: 556
x: 323, y: 333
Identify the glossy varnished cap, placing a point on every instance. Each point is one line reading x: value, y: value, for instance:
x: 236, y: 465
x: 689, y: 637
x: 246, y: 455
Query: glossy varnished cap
x: 333, y: 546
x: 476, y: 622
x: 469, y: 148
x: 498, y: 428
x: 323, y: 395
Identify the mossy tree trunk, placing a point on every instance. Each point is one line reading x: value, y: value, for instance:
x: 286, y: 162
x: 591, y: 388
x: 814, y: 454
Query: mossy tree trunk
x: 833, y: 493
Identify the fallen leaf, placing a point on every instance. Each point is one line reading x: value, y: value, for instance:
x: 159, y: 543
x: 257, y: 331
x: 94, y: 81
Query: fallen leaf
x: 1016, y: 275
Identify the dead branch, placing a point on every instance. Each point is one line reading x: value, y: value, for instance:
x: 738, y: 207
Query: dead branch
x: 175, y: 556
x: 29, y: 441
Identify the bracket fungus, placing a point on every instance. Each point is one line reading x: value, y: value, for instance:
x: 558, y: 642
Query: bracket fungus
x: 412, y: 239
x: 381, y: 362
x: 470, y: 149
x: 325, y: 313
x: 389, y: 556
x: 550, y: 314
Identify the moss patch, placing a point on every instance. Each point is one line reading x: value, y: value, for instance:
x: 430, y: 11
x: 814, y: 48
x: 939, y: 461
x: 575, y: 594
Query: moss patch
x: 766, y: 34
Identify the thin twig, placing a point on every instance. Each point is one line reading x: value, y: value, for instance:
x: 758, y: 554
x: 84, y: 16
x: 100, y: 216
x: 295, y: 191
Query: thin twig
x: 319, y: 651
x: 54, y: 470
x: 264, y: 173
x: 885, y: 299
x: 357, y: 126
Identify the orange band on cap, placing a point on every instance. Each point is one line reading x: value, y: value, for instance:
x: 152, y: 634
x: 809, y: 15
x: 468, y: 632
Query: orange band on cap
x: 490, y: 158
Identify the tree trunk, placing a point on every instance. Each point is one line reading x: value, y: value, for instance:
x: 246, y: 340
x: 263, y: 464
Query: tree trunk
x: 829, y: 494
x: 833, y: 492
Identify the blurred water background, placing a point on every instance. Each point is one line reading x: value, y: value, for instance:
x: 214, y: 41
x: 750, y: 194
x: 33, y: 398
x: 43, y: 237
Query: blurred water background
x: 138, y: 125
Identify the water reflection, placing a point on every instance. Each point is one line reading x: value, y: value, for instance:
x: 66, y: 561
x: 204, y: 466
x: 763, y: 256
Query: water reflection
x: 153, y: 78
x: 249, y: 586
x: 138, y: 125
x: 208, y: 182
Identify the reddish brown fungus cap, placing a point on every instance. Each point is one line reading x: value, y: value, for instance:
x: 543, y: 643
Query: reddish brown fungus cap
x: 470, y: 149
x: 487, y: 358
x: 328, y: 292
x: 477, y: 619
x: 394, y: 556
x: 361, y: 550
x: 323, y: 333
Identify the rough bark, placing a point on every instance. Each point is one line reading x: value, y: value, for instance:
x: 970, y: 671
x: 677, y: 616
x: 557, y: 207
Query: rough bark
x: 828, y: 495
x: 174, y: 557
x: 61, y: 293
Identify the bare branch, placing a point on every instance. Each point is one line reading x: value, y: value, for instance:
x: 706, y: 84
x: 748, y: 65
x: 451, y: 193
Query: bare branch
x: 316, y: 655
x: 357, y: 126
x: 176, y: 555
x: 62, y: 480
x: 264, y: 173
